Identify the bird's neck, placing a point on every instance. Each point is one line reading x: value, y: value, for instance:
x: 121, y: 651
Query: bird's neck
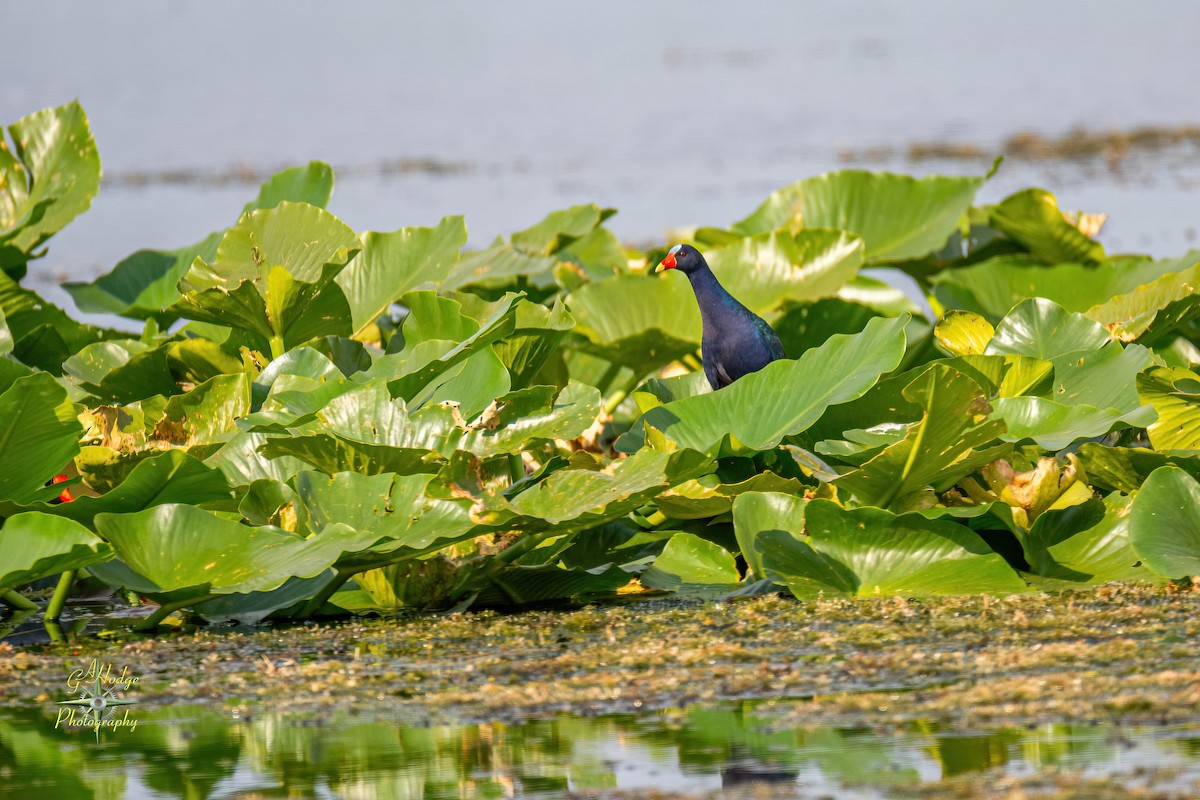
x: 711, y: 296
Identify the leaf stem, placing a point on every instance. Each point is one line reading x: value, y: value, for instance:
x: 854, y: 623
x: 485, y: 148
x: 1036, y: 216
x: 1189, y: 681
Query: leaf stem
x: 327, y: 591
x: 167, y: 609
x: 277, y: 348
x: 18, y: 601
x: 59, y: 599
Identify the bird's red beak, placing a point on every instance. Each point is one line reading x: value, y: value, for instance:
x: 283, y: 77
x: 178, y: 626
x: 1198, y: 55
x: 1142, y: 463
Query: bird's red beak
x: 668, y: 262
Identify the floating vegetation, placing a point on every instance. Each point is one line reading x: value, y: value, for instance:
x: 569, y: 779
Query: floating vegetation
x: 323, y: 422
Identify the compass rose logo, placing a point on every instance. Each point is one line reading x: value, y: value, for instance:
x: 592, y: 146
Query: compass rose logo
x: 98, y: 696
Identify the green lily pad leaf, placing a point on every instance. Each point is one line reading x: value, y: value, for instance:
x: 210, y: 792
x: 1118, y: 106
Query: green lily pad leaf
x: 520, y: 418
x: 498, y: 265
x: 502, y: 584
x: 759, y: 512
x: 242, y: 464
x: 272, y: 278
x: 43, y: 335
x: 1153, y: 310
x: 434, y: 318
x: 898, y: 217
x: 143, y: 285
x: 537, y: 333
x: 47, y: 178
x: 1163, y: 525
x: 1106, y: 378
x: 768, y: 269
x: 254, y: 607
x: 637, y: 321
x: 677, y: 387
x: 299, y: 370
x: 688, y: 560
x: 949, y: 442
x: 530, y: 254
x: 1044, y: 329
x: 386, y: 504
x: 207, y: 413
x: 961, y: 333
x: 868, y: 552
x: 804, y: 326
x: 560, y: 228
x: 39, y: 437
x: 1071, y: 514
x: 198, y: 360
x: 393, y: 264
x: 471, y: 385
x: 93, y: 362
x: 992, y: 287
x: 176, y: 547
x: 303, y: 239
x: 267, y: 502
x: 838, y: 371
x: 6, y: 337
x: 37, y: 545
x: 1124, y: 469
x: 411, y: 381
x: 311, y: 183
x: 365, y: 430
x: 1055, y: 425
x: 708, y: 497
x: 587, y: 498
x: 426, y: 583
x: 168, y: 477
x: 1178, y: 423
x: 1032, y: 217
x: 1102, y: 553
x: 598, y: 255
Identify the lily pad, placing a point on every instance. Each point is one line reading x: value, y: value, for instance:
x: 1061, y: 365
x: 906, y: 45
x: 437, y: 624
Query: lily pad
x: 837, y: 371
x: 1163, y: 525
x: 899, y: 217
x: 36, y: 545
x: 47, y: 178
x: 869, y: 552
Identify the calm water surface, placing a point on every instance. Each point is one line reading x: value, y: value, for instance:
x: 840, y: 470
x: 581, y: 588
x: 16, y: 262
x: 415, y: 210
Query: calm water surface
x: 675, y: 113
x: 199, y: 753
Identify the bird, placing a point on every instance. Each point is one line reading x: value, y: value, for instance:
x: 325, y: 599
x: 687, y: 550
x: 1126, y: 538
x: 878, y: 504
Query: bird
x: 735, y: 341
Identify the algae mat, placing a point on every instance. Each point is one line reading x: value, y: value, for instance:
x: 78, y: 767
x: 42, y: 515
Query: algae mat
x: 1065, y: 695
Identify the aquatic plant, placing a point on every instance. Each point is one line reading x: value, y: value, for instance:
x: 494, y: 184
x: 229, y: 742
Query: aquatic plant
x: 351, y: 421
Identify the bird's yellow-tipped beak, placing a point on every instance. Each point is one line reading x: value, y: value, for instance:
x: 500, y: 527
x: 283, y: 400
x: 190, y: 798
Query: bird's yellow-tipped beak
x: 667, y: 263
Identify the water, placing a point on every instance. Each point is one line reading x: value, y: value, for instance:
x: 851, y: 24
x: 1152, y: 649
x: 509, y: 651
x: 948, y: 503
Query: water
x: 675, y: 113
x: 198, y: 753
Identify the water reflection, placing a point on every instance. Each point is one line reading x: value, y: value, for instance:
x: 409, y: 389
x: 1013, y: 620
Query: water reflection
x: 201, y: 753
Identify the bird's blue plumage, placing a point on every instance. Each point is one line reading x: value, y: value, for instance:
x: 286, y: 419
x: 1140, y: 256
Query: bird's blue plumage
x: 736, y: 341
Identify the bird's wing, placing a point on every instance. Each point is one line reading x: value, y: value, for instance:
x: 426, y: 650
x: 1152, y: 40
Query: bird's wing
x: 767, y: 335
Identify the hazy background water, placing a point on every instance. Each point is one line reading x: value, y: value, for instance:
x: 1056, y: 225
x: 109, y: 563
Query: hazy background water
x: 675, y: 113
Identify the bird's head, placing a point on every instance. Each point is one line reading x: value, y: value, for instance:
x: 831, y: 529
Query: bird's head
x: 684, y: 258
